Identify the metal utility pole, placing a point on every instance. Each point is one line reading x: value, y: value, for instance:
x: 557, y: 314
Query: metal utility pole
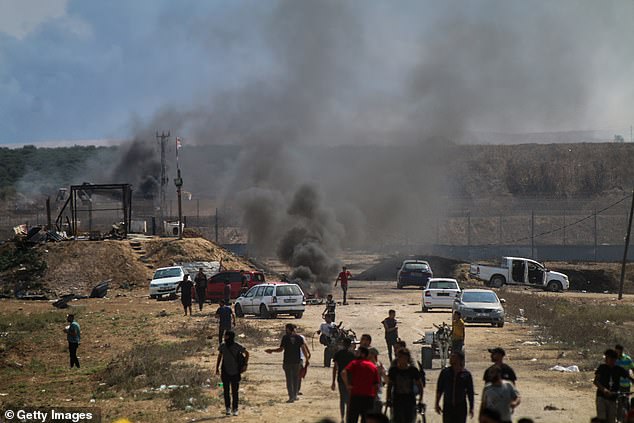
x: 162, y: 140
x: 627, y: 244
x: 216, y: 225
x: 179, y: 184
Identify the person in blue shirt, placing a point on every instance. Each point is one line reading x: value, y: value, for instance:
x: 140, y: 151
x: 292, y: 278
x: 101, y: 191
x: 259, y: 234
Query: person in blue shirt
x: 73, y: 335
x: 226, y: 320
x: 625, y: 361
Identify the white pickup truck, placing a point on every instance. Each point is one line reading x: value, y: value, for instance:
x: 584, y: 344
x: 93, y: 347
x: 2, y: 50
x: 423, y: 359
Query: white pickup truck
x: 519, y: 271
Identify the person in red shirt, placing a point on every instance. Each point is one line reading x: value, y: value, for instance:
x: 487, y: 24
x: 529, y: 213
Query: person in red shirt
x: 361, y: 378
x: 344, y: 275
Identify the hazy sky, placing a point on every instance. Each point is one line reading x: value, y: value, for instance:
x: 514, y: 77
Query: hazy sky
x: 73, y: 70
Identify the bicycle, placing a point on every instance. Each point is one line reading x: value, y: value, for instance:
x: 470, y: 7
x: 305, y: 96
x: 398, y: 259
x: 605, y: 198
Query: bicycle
x: 622, y: 406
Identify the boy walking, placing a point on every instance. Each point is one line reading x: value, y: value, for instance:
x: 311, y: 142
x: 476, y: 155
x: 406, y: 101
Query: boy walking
x: 391, y: 332
x: 73, y: 336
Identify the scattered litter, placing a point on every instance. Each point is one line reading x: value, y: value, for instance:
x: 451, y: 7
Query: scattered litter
x: 2, y: 394
x: 552, y: 408
x: 569, y: 369
x: 162, y: 313
x: 531, y: 343
x: 242, y: 335
x: 92, y: 400
x: 101, y: 289
x: 533, y: 359
x: 583, y: 291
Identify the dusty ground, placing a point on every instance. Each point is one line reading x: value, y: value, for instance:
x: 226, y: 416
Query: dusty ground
x: 36, y: 371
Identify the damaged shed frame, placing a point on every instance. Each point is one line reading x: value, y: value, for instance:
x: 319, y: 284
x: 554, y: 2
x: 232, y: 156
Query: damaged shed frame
x: 82, y: 194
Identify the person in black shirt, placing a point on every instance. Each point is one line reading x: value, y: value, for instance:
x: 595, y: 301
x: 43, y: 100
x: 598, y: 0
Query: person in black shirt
x: 291, y: 344
x: 607, y: 379
x: 342, y: 358
x: 230, y: 375
x: 201, y: 288
x: 497, y: 357
x: 244, y: 283
x: 391, y: 331
x: 227, y: 291
x: 455, y: 386
x: 331, y: 306
x: 186, y: 293
x: 401, y: 395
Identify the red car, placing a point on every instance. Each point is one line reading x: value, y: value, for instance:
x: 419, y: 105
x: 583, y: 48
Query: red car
x: 216, y: 283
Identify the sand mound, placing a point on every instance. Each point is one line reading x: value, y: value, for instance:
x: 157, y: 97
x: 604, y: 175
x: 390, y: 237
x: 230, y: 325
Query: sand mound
x: 77, y: 266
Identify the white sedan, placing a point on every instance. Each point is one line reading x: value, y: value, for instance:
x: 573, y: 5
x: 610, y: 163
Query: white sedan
x: 440, y: 293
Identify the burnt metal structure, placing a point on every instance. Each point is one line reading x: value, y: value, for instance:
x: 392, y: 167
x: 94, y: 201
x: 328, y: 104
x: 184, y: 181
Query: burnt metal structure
x: 83, y: 194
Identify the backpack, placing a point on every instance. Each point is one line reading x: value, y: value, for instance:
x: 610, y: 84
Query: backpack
x: 240, y: 359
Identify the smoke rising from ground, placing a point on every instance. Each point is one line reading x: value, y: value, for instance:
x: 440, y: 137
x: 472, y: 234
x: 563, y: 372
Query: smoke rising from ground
x: 410, y: 82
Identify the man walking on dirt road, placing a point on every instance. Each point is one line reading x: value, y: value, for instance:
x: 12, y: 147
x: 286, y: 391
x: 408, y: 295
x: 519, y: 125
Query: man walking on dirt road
x: 457, y: 332
x: 361, y: 378
x: 455, y: 386
x: 228, y: 355
x: 73, y: 336
x: 186, y: 287
x: 497, y: 357
x: 226, y: 319
x: 291, y: 344
x: 201, y: 288
x: 607, y: 379
x: 391, y: 332
x: 342, y: 358
x: 330, y: 309
x: 401, y: 391
x: 344, y: 275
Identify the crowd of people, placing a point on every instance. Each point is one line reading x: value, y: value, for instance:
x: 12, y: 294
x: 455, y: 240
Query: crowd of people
x: 371, y: 391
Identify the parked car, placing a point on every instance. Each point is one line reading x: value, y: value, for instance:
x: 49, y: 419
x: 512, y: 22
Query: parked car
x: 519, y: 271
x: 216, y: 283
x: 413, y: 272
x: 480, y: 306
x: 440, y: 293
x: 267, y: 300
x: 165, y: 280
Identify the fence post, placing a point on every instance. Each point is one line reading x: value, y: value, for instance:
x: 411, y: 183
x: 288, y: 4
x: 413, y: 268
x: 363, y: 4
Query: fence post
x: 595, y: 235
x: 533, y: 234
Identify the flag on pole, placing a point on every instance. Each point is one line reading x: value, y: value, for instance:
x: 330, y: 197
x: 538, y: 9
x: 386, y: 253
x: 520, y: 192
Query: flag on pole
x: 179, y: 145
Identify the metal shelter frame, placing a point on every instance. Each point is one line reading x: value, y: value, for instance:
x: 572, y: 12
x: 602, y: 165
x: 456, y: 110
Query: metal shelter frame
x: 86, y: 190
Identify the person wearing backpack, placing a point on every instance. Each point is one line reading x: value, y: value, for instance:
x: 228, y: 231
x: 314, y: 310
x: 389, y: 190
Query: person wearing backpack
x: 232, y: 359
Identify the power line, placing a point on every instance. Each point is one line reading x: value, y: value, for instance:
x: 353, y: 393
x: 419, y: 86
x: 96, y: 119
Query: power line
x: 583, y: 219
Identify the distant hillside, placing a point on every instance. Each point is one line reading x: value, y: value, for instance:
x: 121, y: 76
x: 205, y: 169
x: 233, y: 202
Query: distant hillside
x: 471, y: 171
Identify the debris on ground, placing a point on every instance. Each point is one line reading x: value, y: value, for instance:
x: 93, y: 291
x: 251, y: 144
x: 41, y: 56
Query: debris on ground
x: 569, y: 369
x: 101, y: 289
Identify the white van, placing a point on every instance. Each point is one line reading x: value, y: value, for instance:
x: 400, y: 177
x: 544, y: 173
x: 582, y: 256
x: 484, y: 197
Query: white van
x: 267, y: 300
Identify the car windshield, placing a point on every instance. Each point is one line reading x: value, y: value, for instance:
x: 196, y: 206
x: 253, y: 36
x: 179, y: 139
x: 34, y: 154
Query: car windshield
x: 285, y: 290
x: 479, y: 297
x: 167, y: 273
x: 442, y: 285
x: 417, y: 267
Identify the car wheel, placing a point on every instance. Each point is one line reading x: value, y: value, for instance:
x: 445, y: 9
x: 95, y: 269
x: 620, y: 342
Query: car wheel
x: 238, y: 311
x: 554, y: 286
x: 425, y: 309
x: 501, y: 324
x: 497, y: 282
x: 298, y: 315
x: 264, y: 313
x: 399, y: 286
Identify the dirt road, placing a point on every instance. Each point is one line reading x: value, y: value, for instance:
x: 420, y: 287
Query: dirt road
x: 113, y: 325
x: 547, y: 396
